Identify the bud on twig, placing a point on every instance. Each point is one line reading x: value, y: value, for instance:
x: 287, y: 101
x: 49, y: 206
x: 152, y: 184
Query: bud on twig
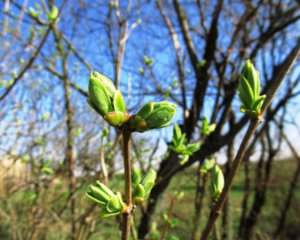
x: 53, y: 14
x: 111, y: 204
x: 153, y: 115
x: 207, y: 128
x: 207, y: 165
x: 143, y: 188
x: 249, y: 89
x: 217, y: 182
x: 106, y: 100
x: 179, y: 145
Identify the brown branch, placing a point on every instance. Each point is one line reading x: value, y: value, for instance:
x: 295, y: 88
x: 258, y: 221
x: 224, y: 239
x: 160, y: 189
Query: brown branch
x: 285, y: 67
x: 179, y: 62
x: 29, y: 63
x: 128, y: 188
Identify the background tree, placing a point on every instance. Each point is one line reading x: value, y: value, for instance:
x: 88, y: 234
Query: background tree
x: 189, y: 52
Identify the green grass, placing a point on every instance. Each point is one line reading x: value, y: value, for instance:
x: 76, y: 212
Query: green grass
x: 20, y: 205
x: 276, y: 194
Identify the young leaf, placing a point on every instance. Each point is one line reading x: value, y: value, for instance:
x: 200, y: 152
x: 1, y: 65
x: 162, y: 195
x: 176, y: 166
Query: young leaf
x: 119, y: 104
x: 146, y: 110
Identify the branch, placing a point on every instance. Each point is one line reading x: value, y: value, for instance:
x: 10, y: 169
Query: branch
x: 285, y: 68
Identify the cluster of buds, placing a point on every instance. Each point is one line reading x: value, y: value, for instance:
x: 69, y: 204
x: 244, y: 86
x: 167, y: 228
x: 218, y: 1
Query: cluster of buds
x: 111, y: 204
x: 249, y: 90
x: 181, y: 147
x: 207, y: 128
x: 153, y: 115
x: 106, y: 100
x: 142, y: 186
x: 109, y: 103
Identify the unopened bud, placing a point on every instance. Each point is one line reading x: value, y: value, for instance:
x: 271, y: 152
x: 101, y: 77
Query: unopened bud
x: 106, y: 100
x: 153, y: 115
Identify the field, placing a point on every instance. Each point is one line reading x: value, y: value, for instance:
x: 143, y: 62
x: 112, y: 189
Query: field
x: 20, y: 204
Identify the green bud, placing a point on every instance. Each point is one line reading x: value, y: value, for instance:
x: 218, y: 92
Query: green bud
x: 136, y: 176
x: 148, y: 182
x: 143, y: 187
x: 153, y: 115
x: 138, y: 21
x: 99, y: 193
x: 207, y: 165
x: 191, y: 148
x: 114, y: 206
x: 179, y: 140
x: 52, y: 15
x: 139, y: 193
x: 249, y: 90
x: 207, y: 128
x: 184, y: 159
x: 106, y: 100
x: 179, y: 195
x: 217, y: 181
x: 148, y: 61
x: 34, y: 13
x: 111, y: 204
x: 141, y: 71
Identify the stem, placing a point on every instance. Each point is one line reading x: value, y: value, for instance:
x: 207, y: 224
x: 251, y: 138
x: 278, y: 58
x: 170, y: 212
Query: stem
x: 219, y: 204
x: 102, y: 160
x: 128, y: 191
x: 200, y: 192
x: 284, y: 68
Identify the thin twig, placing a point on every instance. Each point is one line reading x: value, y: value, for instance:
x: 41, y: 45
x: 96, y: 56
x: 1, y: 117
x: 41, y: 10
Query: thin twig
x: 128, y: 191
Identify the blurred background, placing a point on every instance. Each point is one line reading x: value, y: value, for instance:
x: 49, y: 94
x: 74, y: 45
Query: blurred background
x: 189, y: 52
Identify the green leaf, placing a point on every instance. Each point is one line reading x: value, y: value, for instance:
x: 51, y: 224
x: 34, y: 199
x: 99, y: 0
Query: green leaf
x: 191, y: 148
x: 99, y: 194
x: 256, y: 105
x: 119, y: 104
x: 34, y: 13
x: 136, y: 176
x: 250, y: 75
x: 105, y: 214
x: 90, y: 196
x: 243, y: 98
x: 184, y: 159
x: 207, y: 165
x: 113, y: 205
x: 47, y: 171
x: 245, y: 89
x: 104, y: 188
x: 149, y: 177
x: 257, y: 84
x: 177, y: 131
x: 160, y: 116
x: 139, y: 191
x: 146, y: 110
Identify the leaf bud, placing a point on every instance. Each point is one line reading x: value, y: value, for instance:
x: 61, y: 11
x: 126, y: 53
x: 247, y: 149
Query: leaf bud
x: 153, y: 115
x: 106, y: 100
